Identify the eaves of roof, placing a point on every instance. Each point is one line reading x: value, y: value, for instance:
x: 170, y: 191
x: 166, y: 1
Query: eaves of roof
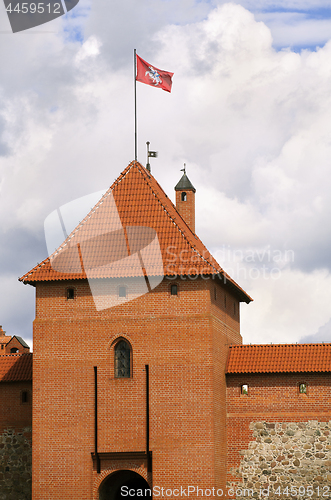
x: 279, y: 358
x: 16, y: 367
x: 21, y: 341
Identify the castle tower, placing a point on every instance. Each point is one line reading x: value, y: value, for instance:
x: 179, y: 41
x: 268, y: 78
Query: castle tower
x: 134, y: 319
x: 185, y: 200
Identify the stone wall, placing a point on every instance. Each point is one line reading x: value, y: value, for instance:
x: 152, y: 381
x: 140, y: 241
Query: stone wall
x: 15, y: 464
x: 286, y: 460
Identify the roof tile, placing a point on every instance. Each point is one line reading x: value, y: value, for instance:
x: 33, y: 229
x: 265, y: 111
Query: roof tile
x: 277, y: 358
x: 134, y: 216
x: 16, y: 367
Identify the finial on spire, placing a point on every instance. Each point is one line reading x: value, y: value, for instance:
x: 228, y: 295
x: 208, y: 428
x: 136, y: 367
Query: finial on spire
x: 150, y: 154
x: 183, y: 169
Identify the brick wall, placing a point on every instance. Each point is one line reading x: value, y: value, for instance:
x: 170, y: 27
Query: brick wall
x: 187, y: 208
x: 182, y: 338
x: 15, y: 413
x: 15, y: 441
x: 263, y: 420
x: 16, y: 344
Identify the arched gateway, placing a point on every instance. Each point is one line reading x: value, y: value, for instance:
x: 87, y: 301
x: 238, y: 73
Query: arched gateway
x: 124, y: 484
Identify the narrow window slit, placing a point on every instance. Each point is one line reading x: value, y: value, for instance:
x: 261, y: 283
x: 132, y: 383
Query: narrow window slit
x: 122, y: 360
x: 244, y: 389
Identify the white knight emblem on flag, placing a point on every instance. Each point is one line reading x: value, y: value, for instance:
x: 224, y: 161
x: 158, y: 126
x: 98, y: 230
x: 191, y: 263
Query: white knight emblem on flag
x: 154, y: 76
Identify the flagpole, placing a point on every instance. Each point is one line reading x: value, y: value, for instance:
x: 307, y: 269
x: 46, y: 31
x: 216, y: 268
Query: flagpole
x: 135, y: 105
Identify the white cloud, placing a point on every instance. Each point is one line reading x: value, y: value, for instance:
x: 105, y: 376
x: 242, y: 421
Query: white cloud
x: 286, y: 309
x: 322, y: 335
x: 297, y: 29
x: 285, y: 4
x: 90, y: 48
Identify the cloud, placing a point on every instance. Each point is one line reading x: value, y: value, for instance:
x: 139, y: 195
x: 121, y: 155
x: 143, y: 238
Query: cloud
x: 323, y: 334
x: 89, y: 49
x: 251, y: 123
x: 286, y: 4
x: 297, y: 29
x: 17, y: 302
x: 288, y: 307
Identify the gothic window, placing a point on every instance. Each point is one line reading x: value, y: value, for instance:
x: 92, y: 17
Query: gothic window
x: 122, y: 291
x: 13, y: 350
x: 122, y: 360
x: 184, y: 196
x: 174, y: 290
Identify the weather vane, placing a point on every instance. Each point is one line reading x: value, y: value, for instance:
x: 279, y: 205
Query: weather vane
x: 150, y: 154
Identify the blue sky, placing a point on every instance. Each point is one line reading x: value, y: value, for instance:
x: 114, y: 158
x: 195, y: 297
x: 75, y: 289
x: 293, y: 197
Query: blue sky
x: 298, y: 25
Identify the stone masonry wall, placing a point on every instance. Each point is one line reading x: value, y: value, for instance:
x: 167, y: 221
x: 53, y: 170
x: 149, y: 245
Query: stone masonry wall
x: 286, y: 460
x: 15, y: 464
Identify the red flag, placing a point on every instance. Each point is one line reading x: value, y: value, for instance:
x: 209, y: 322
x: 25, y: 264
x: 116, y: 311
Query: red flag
x: 146, y: 73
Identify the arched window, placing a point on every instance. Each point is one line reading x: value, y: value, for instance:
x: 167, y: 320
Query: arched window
x: 70, y: 293
x: 13, y: 350
x: 303, y: 388
x: 184, y: 196
x: 244, y: 390
x: 122, y: 359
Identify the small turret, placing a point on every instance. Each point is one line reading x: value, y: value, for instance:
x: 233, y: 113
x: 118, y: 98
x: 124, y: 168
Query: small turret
x: 185, y: 200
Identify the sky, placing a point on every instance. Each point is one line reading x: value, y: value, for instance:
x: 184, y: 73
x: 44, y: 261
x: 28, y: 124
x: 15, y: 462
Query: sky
x: 249, y: 114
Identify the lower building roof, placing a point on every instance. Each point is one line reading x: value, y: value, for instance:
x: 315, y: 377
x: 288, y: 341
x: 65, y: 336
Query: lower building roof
x: 16, y: 367
x: 279, y: 358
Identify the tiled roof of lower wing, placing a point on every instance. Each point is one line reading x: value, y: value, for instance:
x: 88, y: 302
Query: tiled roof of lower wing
x: 134, y: 216
x: 16, y: 367
x: 277, y: 358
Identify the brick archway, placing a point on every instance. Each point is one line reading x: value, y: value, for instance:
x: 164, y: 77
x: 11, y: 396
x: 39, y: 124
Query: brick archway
x: 117, y: 485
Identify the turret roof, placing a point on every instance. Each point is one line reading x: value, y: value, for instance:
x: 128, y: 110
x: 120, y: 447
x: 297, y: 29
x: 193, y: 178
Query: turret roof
x: 134, y: 216
x: 184, y: 183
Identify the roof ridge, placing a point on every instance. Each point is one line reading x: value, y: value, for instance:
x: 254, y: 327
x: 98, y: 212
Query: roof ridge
x: 286, y: 358
x: 94, y: 209
x: 194, y: 247
x: 16, y: 355
x: 282, y: 344
x: 141, y: 190
x: 146, y: 177
x: 80, y: 224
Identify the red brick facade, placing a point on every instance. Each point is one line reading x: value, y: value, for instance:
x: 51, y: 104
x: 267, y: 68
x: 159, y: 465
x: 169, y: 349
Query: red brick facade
x: 183, y: 339
x: 185, y: 424
x: 16, y: 413
x: 185, y: 204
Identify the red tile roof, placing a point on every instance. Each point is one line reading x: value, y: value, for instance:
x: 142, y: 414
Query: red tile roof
x: 275, y: 358
x: 99, y: 246
x: 4, y: 339
x: 16, y: 367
